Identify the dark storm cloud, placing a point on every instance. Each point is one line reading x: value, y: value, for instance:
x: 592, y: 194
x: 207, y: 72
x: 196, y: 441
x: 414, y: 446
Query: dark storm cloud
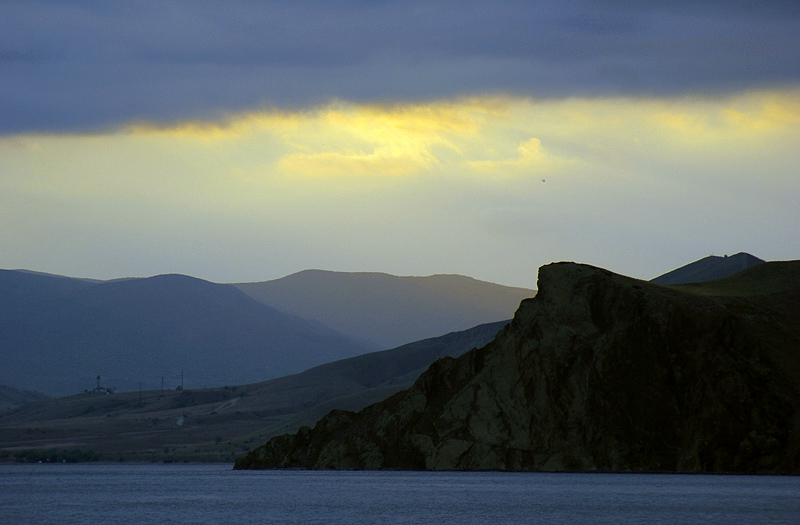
x: 92, y: 65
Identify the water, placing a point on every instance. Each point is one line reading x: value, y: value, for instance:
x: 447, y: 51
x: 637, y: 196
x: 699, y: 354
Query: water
x: 91, y: 493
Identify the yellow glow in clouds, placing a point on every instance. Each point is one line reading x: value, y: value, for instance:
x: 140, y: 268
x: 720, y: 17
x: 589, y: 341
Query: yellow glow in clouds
x: 482, y: 136
x: 410, y: 188
x: 498, y: 138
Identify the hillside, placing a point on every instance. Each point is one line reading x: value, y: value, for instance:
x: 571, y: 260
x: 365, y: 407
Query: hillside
x: 12, y: 397
x: 708, y: 269
x: 386, y: 311
x: 216, y: 424
x: 597, y: 372
x: 57, y: 334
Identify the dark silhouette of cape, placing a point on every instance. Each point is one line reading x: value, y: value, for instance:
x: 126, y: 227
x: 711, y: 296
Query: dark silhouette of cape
x: 598, y: 372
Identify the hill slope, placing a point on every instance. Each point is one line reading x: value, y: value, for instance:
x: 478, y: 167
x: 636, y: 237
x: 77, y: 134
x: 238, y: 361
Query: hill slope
x: 597, y: 372
x: 356, y: 382
x: 708, y: 269
x: 216, y: 423
x: 12, y: 397
x: 387, y: 311
x: 57, y: 334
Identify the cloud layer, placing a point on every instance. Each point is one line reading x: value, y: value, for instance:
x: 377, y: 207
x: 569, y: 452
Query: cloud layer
x: 246, y: 140
x: 90, y: 65
x: 637, y: 185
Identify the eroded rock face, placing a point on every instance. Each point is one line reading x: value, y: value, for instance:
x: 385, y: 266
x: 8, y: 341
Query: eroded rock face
x: 597, y: 372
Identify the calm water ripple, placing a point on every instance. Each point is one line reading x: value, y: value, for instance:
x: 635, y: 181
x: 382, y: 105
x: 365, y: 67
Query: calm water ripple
x: 89, y: 493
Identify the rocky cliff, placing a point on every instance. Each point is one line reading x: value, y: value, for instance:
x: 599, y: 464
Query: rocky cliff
x: 597, y: 372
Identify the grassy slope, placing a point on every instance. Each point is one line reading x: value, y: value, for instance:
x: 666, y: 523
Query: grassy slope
x: 220, y: 423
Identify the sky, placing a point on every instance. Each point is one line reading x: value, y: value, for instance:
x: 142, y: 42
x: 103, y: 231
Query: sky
x: 247, y: 140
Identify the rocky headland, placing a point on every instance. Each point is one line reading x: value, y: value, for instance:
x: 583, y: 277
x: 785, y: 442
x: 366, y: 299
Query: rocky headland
x: 597, y: 372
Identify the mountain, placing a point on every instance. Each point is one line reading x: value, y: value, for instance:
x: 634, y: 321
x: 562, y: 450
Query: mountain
x: 597, y: 372
x: 708, y: 269
x: 386, y: 311
x: 57, y: 334
x: 217, y: 424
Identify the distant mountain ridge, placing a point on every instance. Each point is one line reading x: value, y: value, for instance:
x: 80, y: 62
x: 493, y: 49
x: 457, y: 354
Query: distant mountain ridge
x: 57, y: 334
x: 387, y: 311
x: 708, y: 269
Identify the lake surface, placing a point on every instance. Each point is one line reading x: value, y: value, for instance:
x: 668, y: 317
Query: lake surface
x: 92, y: 493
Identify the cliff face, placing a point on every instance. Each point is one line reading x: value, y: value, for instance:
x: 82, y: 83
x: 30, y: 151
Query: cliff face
x: 597, y: 372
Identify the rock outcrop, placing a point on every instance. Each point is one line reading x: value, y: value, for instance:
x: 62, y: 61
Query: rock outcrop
x: 597, y: 372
